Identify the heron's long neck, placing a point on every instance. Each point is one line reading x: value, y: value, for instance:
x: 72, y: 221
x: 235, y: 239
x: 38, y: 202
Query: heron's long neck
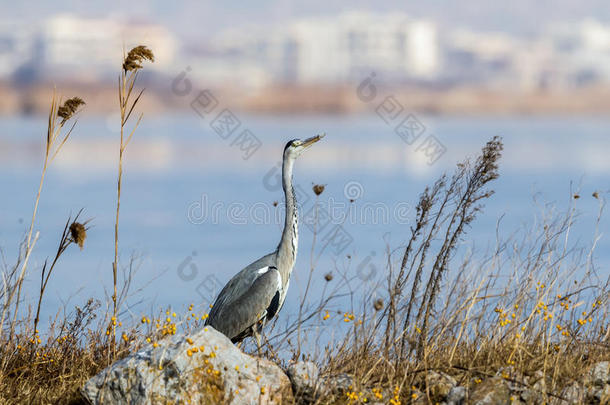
x: 287, y: 250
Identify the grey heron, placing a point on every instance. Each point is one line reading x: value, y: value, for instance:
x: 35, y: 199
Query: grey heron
x: 256, y: 294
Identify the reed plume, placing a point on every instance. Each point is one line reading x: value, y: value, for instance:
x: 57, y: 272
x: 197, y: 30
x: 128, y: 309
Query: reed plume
x: 132, y: 63
x: 74, y: 232
x: 78, y: 232
x: 69, y: 108
x: 136, y: 56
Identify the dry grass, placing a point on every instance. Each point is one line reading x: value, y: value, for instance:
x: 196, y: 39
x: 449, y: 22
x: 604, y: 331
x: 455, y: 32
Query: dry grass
x: 49, y: 369
x: 534, y: 304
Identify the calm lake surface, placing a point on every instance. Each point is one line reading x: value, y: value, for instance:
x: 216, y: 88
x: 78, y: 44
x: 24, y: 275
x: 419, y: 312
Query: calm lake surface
x: 194, y: 211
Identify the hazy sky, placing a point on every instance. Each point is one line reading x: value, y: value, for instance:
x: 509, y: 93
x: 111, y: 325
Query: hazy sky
x: 203, y: 17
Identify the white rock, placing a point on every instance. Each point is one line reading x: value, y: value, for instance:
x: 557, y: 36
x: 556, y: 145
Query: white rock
x: 599, y: 374
x: 305, y: 379
x: 457, y: 396
x: 573, y: 393
x: 217, y: 372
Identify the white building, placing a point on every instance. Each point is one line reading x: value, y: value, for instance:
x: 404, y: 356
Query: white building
x: 16, y: 47
x: 252, y: 56
x: 584, y: 50
x: 499, y: 60
x: 89, y: 47
x: 352, y: 45
x: 331, y: 49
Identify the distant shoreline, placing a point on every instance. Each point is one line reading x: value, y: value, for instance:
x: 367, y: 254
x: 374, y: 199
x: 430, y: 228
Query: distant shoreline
x: 322, y: 99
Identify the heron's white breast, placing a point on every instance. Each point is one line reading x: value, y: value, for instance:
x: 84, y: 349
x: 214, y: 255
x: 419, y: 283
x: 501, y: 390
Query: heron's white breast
x: 283, y: 292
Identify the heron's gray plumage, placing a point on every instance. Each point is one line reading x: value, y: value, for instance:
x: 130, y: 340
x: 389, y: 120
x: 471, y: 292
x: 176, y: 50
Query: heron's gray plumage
x: 257, y: 293
x: 250, y: 308
x: 239, y: 285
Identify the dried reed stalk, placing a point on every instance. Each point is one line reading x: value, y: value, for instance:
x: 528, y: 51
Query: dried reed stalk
x: 132, y: 63
x: 58, y: 116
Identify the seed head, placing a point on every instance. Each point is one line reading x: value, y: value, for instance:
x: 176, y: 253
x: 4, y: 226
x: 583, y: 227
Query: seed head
x: 79, y: 233
x: 328, y: 276
x: 378, y: 304
x: 136, y: 56
x: 69, y: 108
x: 318, y: 188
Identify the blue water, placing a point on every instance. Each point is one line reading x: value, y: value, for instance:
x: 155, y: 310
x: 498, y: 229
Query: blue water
x: 184, y: 250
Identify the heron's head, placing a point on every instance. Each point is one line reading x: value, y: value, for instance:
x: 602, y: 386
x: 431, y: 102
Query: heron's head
x: 294, y: 148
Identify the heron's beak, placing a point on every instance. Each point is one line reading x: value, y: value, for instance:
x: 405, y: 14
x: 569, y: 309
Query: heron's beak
x: 310, y: 141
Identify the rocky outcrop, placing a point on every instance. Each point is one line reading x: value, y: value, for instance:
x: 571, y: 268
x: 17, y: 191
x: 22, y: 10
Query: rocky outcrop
x: 593, y: 389
x: 305, y: 379
x: 507, y: 386
x: 204, y: 367
x: 439, y: 385
x: 308, y: 386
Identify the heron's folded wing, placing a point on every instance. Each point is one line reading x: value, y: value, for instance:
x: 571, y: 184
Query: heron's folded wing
x: 239, y: 284
x: 249, y: 307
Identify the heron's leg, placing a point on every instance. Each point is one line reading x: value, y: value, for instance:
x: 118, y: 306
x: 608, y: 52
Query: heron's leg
x: 257, y: 336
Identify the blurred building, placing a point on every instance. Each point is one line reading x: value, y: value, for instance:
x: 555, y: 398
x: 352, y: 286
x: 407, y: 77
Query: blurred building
x: 79, y: 49
x: 16, y: 47
x: 472, y: 57
x: 352, y: 45
x: 323, y: 50
x: 584, y: 50
x: 85, y: 47
x: 563, y: 56
x: 251, y: 57
x: 327, y: 50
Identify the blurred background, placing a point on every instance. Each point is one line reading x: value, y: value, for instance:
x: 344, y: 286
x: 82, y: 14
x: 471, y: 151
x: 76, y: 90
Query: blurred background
x: 403, y: 92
